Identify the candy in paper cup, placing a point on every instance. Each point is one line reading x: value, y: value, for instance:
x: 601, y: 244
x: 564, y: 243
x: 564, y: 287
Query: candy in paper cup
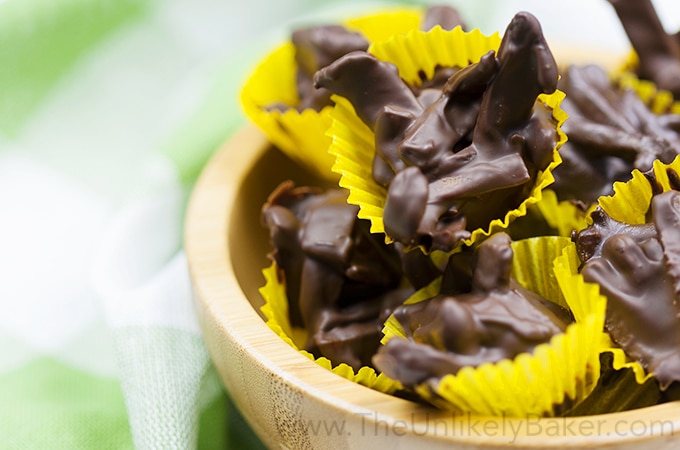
x: 301, y: 135
x: 630, y: 204
x: 275, y: 311
x: 416, y: 55
x: 568, y: 266
x: 631, y: 200
x: 554, y: 376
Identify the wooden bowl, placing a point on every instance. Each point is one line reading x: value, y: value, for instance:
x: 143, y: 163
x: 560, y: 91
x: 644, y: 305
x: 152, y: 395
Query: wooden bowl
x: 291, y: 402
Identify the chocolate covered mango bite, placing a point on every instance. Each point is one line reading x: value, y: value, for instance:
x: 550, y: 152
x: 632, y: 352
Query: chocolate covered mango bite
x: 503, y: 332
x: 318, y: 46
x: 340, y: 281
x: 484, y: 320
x: 637, y: 267
x: 334, y: 283
x: 452, y: 155
x: 279, y: 96
x: 611, y: 132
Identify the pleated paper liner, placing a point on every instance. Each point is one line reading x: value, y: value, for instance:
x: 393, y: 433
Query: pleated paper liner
x: 616, y: 391
x: 302, y: 135
x: 631, y: 200
x: 550, y: 217
x: 555, y: 375
x: 563, y: 216
x: 420, y: 52
x: 659, y: 101
x: 275, y: 310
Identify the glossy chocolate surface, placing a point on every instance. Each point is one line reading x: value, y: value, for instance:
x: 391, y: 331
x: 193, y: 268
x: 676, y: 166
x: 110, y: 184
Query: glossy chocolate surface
x: 638, y: 270
x: 492, y: 318
x: 341, y: 280
x: 318, y: 46
x: 611, y: 132
x: 455, y: 160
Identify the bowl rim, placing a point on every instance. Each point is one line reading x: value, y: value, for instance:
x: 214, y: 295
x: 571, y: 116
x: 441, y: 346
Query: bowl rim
x: 222, y: 303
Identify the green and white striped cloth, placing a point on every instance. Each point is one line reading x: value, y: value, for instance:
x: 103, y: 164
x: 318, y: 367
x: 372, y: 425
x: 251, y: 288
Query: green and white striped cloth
x: 108, y: 111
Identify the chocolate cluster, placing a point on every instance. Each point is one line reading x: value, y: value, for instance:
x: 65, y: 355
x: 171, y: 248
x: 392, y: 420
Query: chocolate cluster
x: 611, y: 132
x: 458, y: 154
x: 454, y: 152
x: 341, y: 281
x: 638, y: 269
x: 318, y: 46
x: 481, y: 315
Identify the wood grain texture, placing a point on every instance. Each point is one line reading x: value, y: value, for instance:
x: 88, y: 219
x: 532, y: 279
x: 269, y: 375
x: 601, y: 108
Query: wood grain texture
x: 291, y: 402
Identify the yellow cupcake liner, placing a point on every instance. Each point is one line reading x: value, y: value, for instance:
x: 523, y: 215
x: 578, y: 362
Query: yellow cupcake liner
x: 616, y: 390
x: 382, y: 25
x: 630, y: 203
x: 393, y: 328
x: 275, y: 311
x: 419, y: 51
x: 302, y: 135
x: 621, y: 361
x: 563, y: 371
x: 631, y: 199
x: 563, y: 216
x: 659, y: 101
x: 353, y: 143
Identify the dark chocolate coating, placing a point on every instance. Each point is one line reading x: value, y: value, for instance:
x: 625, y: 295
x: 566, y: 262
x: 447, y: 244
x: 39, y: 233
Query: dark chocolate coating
x: 494, y: 320
x: 658, y: 52
x: 369, y: 84
x: 316, y: 47
x: 341, y: 280
x: 637, y: 268
x: 467, y: 155
x: 611, y: 132
x: 417, y: 267
x: 589, y: 241
x: 527, y: 69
